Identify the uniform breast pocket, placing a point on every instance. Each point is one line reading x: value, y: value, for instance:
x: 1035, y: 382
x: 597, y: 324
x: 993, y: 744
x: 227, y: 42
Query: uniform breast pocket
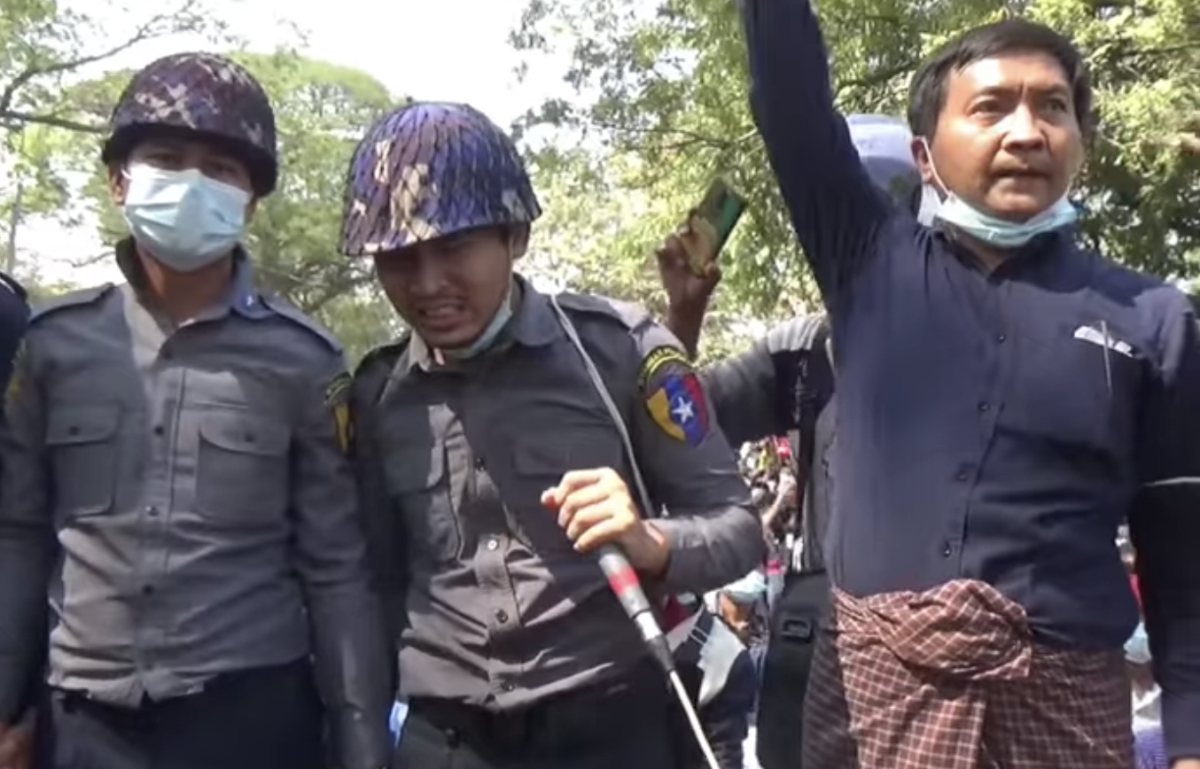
x: 243, y: 472
x: 540, y: 463
x: 82, y: 443
x: 419, y: 487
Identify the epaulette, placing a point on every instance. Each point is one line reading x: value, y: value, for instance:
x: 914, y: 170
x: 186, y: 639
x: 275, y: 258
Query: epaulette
x: 382, y: 352
x: 286, y: 309
x: 629, y: 314
x: 77, y: 298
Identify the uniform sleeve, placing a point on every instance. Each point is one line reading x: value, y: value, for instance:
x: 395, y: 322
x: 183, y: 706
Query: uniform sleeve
x: 385, y: 547
x: 351, y: 656
x: 27, y: 539
x: 835, y: 209
x: 754, y: 395
x: 741, y: 390
x: 1165, y: 526
x: 713, y: 533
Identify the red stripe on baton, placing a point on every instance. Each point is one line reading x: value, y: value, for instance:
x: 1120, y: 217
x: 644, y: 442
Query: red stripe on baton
x: 623, y: 580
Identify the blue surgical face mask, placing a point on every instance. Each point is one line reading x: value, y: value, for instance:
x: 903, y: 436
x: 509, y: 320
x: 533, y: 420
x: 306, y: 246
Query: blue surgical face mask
x: 748, y: 589
x: 183, y: 218
x: 992, y: 230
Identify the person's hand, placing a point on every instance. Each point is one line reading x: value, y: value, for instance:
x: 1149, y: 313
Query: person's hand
x: 594, y: 508
x: 787, y: 487
x: 1186, y: 763
x: 687, y: 293
x: 16, y: 743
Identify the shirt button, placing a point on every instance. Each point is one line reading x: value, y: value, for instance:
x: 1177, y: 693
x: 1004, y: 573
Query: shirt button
x: 984, y: 406
x: 158, y: 430
x: 947, y: 550
x: 961, y: 477
x: 1001, y: 339
x: 478, y: 463
x: 501, y: 616
x: 152, y: 511
x: 492, y: 544
x: 507, y: 686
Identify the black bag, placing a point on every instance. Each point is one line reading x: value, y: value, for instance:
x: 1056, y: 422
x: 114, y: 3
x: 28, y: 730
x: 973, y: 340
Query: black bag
x: 805, y: 600
x: 802, y: 606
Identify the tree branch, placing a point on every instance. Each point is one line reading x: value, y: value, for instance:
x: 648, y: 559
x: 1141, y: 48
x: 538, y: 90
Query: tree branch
x: 683, y: 137
x: 144, y: 32
x: 26, y: 118
x: 879, y: 77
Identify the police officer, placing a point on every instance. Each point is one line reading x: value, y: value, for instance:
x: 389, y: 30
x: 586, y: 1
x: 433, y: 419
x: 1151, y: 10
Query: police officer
x: 176, y: 475
x: 784, y: 385
x: 483, y: 438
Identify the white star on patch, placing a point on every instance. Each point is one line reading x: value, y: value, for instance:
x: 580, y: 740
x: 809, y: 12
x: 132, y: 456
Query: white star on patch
x: 684, y: 409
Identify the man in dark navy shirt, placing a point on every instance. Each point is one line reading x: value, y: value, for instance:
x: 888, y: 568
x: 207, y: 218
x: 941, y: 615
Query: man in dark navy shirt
x: 1005, y: 400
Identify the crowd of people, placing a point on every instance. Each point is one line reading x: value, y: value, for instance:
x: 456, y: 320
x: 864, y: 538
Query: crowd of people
x: 524, y: 530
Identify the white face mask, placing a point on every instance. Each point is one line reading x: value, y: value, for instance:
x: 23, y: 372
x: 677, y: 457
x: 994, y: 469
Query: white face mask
x: 183, y: 218
x: 992, y: 230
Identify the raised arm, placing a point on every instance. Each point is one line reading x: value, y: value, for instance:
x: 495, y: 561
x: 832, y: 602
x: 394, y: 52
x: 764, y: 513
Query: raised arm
x: 835, y: 209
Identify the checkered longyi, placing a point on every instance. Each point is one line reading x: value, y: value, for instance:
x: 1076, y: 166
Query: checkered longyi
x: 950, y: 679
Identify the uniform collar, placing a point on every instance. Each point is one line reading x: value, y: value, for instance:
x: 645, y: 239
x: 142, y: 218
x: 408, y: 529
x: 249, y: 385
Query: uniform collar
x: 242, y: 298
x: 533, y: 324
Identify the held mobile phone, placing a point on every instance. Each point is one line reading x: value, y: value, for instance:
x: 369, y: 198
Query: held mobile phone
x: 710, y: 224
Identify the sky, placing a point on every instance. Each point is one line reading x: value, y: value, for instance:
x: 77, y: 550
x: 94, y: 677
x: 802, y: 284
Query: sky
x: 455, y: 50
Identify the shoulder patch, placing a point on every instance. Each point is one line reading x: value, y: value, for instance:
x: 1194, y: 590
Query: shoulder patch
x: 678, y: 406
x: 337, y: 400
x: 77, y: 298
x: 629, y: 314
x: 286, y: 309
x: 658, y: 358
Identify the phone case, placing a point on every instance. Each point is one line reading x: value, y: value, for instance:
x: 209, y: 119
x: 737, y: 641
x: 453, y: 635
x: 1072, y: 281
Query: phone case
x: 710, y: 225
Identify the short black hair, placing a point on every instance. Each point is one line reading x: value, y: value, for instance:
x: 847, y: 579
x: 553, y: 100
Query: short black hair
x: 927, y: 92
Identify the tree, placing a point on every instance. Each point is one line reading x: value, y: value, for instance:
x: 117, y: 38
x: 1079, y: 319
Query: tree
x: 45, y: 49
x: 663, y: 97
x: 598, y: 233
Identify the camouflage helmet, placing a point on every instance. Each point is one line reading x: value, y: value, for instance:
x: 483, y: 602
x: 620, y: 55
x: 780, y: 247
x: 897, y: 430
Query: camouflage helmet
x: 431, y: 169
x: 190, y: 93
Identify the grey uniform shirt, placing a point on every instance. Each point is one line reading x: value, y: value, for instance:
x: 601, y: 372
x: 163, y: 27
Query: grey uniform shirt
x: 185, y: 491
x: 498, y: 609
x: 761, y: 392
